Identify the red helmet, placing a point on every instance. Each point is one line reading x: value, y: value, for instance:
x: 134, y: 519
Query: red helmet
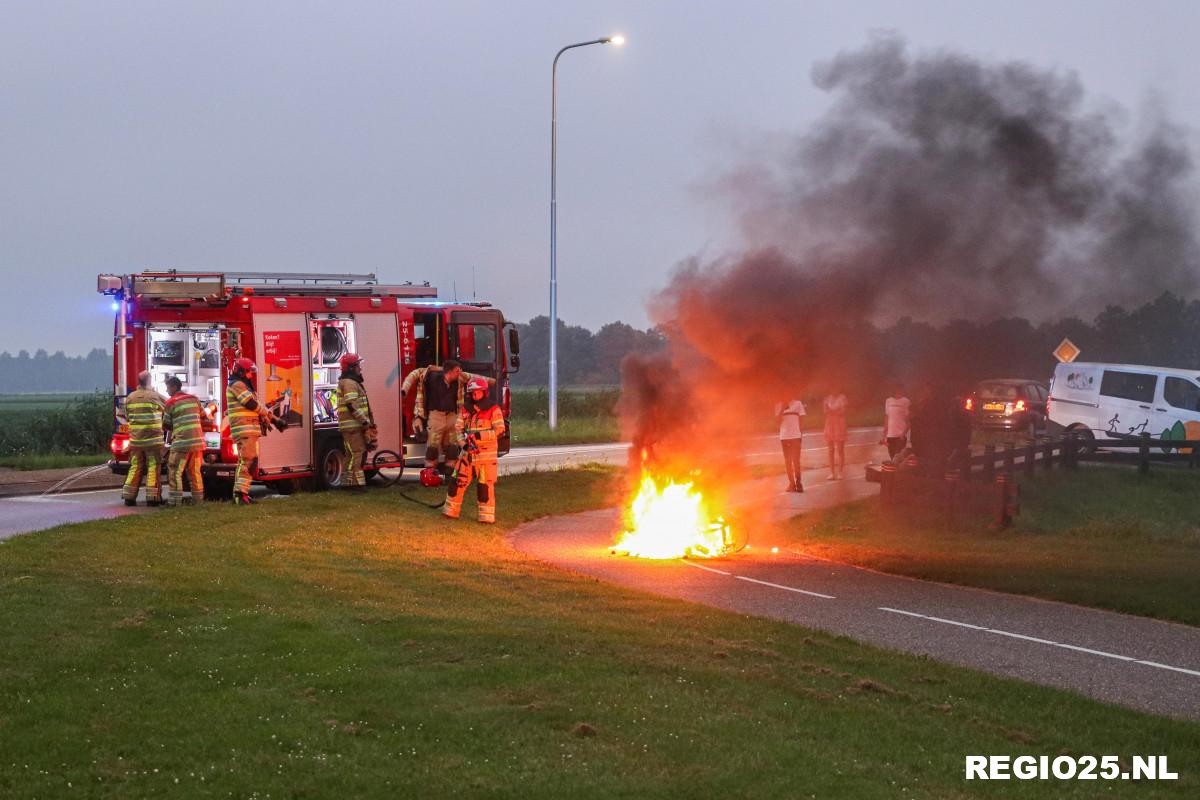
x: 245, y: 365
x: 431, y: 478
x: 477, y: 385
x: 349, y: 360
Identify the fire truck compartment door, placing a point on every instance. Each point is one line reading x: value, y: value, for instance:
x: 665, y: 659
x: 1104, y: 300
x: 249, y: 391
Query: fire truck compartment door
x: 281, y: 342
x: 379, y: 346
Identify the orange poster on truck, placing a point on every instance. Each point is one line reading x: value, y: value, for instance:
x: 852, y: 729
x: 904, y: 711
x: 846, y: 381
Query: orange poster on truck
x: 284, y: 381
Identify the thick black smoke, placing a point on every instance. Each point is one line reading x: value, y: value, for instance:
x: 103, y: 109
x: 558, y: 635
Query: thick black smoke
x: 936, y: 186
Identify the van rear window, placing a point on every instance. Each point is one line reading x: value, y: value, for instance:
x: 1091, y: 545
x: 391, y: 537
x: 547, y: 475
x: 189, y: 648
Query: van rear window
x: 1136, y: 386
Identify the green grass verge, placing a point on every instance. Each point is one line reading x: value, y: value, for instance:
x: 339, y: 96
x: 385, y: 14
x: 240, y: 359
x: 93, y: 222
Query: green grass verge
x: 1099, y: 536
x: 51, y: 460
x: 571, y: 430
x: 332, y: 646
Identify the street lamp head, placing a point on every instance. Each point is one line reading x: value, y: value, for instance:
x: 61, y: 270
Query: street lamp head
x: 618, y: 40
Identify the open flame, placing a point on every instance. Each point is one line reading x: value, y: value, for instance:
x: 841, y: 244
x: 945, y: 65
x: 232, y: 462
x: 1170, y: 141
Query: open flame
x: 672, y: 520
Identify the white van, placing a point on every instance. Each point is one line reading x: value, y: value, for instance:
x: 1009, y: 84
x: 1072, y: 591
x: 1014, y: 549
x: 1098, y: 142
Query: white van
x: 1113, y: 401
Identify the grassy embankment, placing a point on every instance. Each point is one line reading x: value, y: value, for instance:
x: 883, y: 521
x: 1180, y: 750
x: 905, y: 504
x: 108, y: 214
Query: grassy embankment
x: 333, y: 646
x: 1098, y: 536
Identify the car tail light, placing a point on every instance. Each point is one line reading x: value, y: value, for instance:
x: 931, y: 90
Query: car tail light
x: 969, y: 405
x: 1020, y: 406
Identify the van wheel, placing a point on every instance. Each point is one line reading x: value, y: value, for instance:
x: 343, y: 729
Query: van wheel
x: 331, y: 465
x: 1085, y: 438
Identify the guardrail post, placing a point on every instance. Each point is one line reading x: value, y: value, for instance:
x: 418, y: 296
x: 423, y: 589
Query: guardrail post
x: 1003, y: 517
x: 1068, y: 451
x: 1144, y: 454
x: 1048, y: 454
x: 989, y: 462
x: 1194, y: 460
x: 1030, y: 457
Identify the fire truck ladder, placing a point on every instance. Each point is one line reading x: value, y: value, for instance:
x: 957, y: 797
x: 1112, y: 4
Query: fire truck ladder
x: 177, y: 284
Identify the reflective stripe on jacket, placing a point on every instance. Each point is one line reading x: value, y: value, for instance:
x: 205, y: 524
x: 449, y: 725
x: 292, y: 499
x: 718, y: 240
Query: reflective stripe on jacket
x: 485, y: 427
x: 183, y: 415
x: 144, y: 412
x: 353, y: 410
x: 242, y: 421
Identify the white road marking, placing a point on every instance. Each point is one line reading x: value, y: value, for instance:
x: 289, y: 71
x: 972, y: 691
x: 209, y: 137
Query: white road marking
x: 706, y: 569
x: 785, y: 588
x: 1038, y: 640
x: 756, y: 580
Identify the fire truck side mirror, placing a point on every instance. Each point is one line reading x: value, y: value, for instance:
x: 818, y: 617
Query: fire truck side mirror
x: 514, y: 344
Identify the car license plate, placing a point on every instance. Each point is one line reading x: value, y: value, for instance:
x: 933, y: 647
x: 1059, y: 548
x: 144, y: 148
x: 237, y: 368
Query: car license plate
x: 993, y: 406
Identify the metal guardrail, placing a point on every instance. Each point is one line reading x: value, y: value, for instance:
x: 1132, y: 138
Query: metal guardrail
x: 999, y: 468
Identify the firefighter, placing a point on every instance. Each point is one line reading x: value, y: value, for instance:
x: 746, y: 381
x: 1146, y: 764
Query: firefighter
x: 355, y: 421
x: 247, y: 419
x: 479, y: 428
x: 439, y: 400
x: 144, y: 413
x: 183, y: 418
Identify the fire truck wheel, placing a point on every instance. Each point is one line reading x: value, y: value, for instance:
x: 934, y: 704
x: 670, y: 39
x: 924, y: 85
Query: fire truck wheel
x: 331, y: 464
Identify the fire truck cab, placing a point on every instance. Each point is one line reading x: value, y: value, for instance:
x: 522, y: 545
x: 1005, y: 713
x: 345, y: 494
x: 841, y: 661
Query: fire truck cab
x: 295, y: 326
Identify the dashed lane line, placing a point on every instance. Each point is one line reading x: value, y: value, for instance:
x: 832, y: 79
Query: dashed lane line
x: 1038, y: 640
x: 960, y: 624
x: 756, y: 580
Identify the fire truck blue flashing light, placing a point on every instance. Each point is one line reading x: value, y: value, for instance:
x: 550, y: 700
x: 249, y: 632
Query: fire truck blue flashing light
x: 116, y: 306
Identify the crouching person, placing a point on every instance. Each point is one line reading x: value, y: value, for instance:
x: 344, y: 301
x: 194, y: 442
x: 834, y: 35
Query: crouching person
x: 182, y: 418
x: 479, y: 428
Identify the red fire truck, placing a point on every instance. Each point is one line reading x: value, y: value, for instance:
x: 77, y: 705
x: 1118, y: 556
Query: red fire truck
x: 295, y: 326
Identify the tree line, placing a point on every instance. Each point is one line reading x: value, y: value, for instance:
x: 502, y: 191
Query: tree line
x: 45, y: 372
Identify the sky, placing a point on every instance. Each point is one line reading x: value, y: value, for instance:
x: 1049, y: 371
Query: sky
x: 413, y: 139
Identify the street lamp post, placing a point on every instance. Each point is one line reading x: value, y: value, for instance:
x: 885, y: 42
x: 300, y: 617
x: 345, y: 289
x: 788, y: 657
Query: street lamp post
x: 615, y: 40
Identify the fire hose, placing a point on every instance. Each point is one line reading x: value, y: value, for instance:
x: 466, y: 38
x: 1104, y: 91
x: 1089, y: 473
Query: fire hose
x: 464, y: 461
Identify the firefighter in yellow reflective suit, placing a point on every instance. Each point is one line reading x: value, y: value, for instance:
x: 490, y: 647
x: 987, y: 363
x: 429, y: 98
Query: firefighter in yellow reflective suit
x: 246, y: 417
x: 183, y: 418
x: 144, y: 413
x: 355, y: 421
x: 479, y: 428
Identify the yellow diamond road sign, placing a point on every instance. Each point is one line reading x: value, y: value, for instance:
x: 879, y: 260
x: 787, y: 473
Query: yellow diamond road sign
x: 1066, y: 352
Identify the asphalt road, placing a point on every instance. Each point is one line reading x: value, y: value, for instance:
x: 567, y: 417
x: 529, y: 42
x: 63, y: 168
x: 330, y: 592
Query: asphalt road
x: 36, y: 512
x: 1130, y: 661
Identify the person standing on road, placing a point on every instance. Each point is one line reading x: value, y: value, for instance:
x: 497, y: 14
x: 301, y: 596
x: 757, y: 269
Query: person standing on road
x: 182, y: 417
x: 791, y: 440
x: 247, y: 419
x: 896, y: 411
x: 835, y: 433
x: 479, y: 428
x: 355, y: 421
x: 440, y: 398
x: 144, y: 413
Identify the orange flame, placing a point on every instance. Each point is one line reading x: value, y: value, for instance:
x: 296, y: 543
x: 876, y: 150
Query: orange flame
x: 672, y: 521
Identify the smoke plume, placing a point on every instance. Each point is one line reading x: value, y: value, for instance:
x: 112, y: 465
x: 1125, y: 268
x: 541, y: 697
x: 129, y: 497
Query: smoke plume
x: 936, y: 186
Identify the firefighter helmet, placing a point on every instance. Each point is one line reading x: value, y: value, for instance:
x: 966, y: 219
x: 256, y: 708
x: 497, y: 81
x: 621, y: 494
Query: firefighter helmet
x: 244, y: 366
x: 350, y: 360
x: 477, y: 385
x: 431, y: 477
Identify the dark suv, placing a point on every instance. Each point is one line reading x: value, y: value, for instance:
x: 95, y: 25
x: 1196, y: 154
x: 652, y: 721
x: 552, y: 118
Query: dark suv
x: 1009, y: 404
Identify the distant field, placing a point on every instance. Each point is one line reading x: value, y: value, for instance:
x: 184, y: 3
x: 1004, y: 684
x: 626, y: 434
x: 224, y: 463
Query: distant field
x: 42, y: 431
x: 26, y: 403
